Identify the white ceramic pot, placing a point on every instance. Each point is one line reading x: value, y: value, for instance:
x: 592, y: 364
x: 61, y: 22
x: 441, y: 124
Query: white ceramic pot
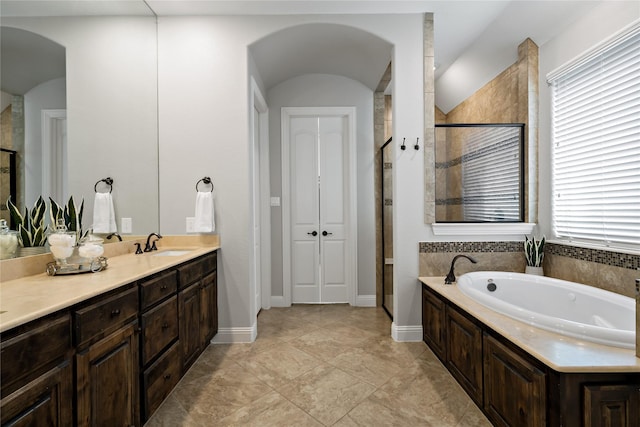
x: 538, y: 271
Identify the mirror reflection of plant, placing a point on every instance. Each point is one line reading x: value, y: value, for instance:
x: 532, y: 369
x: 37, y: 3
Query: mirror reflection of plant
x: 30, y: 226
x: 71, y: 215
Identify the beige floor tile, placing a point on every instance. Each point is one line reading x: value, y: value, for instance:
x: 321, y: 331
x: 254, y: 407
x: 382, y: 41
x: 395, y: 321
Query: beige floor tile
x: 270, y: 410
x: 319, y: 365
x: 365, y: 366
x: 327, y: 393
x: 278, y: 365
x: 218, y: 394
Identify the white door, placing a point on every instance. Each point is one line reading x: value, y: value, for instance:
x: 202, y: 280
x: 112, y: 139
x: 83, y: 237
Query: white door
x: 319, y: 187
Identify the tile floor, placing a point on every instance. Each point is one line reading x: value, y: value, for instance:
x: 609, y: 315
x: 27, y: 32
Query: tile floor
x: 315, y: 365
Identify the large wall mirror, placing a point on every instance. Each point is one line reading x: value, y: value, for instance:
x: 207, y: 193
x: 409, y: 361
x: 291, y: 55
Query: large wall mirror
x: 479, y: 172
x: 33, y: 108
x: 105, y: 87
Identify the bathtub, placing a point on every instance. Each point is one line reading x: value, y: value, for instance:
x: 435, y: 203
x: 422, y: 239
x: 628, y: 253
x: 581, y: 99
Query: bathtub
x: 567, y: 308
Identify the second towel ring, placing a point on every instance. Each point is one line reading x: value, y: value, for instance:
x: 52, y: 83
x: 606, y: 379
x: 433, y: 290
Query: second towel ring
x: 108, y: 181
x: 205, y: 180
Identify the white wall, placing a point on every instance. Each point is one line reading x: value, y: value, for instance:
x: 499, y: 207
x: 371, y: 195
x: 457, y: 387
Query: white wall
x: 322, y: 90
x: 111, y: 109
x: 604, y: 21
x: 204, y: 129
x: 48, y: 95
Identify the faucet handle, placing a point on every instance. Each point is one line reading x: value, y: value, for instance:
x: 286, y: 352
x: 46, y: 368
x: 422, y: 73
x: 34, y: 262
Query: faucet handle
x: 153, y: 246
x: 138, y: 248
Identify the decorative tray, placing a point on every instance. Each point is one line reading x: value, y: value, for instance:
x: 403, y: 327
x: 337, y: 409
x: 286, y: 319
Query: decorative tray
x: 96, y: 265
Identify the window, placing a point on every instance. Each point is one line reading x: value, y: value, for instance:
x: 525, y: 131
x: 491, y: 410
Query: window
x: 479, y: 172
x: 596, y: 144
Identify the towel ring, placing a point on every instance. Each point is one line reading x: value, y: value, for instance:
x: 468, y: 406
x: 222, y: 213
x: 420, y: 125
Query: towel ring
x: 108, y: 181
x: 205, y: 180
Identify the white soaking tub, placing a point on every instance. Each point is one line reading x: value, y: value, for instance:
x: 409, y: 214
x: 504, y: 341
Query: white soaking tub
x: 560, y: 306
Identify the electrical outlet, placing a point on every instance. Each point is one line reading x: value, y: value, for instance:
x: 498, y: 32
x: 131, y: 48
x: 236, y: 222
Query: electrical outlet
x: 191, y: 224
x: 126, y: 225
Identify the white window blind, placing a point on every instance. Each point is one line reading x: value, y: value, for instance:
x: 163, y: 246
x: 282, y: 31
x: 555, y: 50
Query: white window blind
x: 596, y: 145
x: 491, y: 174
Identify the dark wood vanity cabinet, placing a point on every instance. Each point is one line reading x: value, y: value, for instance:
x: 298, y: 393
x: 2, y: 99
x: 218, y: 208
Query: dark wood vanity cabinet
x: 107, y: 363
x: 512, y: 387
x: 197, y: 303
x: 612, y: 405
x: 464, y: 352
x: 159, y: 320
x: 110, y: 360
x: 433, y: 322
x: 37, y: 377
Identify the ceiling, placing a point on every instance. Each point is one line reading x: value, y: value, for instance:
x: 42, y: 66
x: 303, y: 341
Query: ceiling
x: 474, y: 40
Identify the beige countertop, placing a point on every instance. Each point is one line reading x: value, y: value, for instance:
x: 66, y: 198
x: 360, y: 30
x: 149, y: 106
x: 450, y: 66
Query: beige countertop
x: 560, y: 353
x: 27, y: 298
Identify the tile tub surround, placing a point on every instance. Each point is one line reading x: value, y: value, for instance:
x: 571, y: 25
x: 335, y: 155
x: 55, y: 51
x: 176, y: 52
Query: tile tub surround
x: 315, y: 365
x: 560, y: 353
x: 605, y: 269
x: 31, y: 297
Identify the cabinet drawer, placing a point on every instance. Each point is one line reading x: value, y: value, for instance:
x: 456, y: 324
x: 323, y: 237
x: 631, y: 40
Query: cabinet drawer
x: 158, y: 288
x: 160, y: 378
x: 36, y: 345
x: 105, y: 315
x: 189, y: 273
x: 159, y: 328
x: 209, y: 263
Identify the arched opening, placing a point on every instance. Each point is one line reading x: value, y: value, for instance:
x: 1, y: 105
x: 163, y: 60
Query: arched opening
x: 322, y: 65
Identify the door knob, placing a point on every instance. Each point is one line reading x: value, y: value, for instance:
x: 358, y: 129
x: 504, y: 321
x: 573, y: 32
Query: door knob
x: 314, y: 233
x: 326, y: 233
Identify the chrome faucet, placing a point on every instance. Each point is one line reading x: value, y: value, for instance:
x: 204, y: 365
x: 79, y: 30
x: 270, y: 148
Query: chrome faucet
x: 149, y: 246
x: 452, y: 277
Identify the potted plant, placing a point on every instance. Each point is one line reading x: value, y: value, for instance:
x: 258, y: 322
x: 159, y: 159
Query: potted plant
x: 30, y: 226
x: 71, y: 215
x: 534, y: 254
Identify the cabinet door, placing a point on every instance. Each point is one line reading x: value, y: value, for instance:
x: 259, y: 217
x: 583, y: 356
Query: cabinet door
x: 107, y: 380
x: 45, y: 401
x: 433, y: 323
x: 612, y: 405
x: 208, y: 309
x: 189, y: 309
x: 464, y: 353
x: 514, y: 389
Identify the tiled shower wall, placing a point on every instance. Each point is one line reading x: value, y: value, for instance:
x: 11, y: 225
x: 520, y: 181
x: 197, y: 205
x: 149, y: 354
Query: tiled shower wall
x: 609, y: 270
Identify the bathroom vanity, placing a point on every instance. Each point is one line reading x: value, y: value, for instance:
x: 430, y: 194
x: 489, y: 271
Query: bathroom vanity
x: 523, y: 376
x: 108, y: 347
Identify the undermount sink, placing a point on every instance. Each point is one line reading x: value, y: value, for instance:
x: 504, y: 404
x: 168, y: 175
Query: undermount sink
x: 173, y: 252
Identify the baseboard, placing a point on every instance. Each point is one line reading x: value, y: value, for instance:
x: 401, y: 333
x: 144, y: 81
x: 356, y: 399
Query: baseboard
x: 365, y: 301
x: 236, y: 335
x: 278, y: 301
x: 406, y: 333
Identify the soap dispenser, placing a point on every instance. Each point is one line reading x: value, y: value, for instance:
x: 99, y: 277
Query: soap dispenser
x: 8, y: 241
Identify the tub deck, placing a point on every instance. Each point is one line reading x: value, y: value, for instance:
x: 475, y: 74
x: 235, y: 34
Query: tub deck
x: 558, y: 352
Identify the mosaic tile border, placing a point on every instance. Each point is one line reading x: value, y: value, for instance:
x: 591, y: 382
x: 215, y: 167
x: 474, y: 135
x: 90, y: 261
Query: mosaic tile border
x: 616, y: 259
x: 438, y: 247
x: 599, y: 256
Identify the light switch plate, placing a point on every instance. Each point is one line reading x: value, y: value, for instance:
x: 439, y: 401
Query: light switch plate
x: 191, y: 224
x: 126, y: 225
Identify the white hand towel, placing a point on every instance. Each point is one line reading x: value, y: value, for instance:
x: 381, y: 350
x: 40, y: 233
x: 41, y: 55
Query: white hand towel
x: 104, y: 218
x: 204, y: 219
